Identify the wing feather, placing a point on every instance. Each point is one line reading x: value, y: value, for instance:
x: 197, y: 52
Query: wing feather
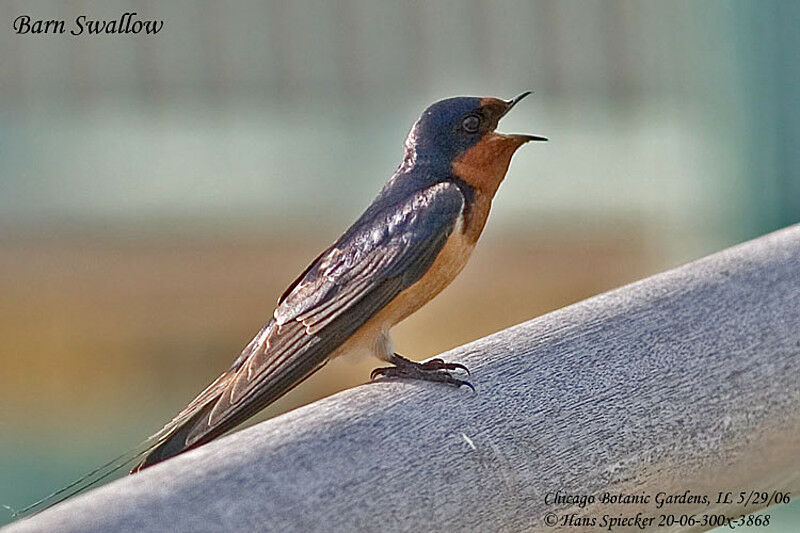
x: 348, y: 284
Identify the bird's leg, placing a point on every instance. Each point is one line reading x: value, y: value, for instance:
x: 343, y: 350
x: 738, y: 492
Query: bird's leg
x: 433, y: 370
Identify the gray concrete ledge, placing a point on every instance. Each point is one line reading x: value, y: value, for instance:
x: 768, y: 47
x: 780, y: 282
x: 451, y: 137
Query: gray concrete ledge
x: 687, y: 380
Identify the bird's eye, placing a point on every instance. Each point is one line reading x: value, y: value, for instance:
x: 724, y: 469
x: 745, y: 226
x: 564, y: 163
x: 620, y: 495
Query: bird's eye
x: 471, y: 123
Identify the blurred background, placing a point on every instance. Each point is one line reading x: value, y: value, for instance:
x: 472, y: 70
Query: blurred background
x: 157, y: 193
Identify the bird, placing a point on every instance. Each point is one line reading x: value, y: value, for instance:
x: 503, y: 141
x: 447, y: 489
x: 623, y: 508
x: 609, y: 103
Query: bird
x: 409, y: 244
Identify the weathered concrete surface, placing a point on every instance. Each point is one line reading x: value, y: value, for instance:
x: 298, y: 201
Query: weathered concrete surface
x: 686, y: 380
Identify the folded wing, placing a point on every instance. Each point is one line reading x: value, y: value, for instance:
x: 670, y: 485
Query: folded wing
x: 339, y: 292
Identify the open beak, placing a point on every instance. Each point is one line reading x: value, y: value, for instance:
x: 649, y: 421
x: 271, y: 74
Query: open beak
x: 511, y: 103
x: 514, y: 101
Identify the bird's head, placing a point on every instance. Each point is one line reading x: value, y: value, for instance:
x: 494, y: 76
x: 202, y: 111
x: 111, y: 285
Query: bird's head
x: 460, y: 132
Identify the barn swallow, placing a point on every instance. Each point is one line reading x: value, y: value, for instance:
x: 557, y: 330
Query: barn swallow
x: 409, y: 244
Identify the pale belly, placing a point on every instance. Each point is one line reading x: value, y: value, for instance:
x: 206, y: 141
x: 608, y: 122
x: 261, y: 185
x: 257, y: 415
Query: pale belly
x: 373, y: 337
x: 447, y: 265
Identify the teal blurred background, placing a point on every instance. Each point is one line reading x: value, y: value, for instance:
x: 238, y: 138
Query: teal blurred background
x: 157, y: 193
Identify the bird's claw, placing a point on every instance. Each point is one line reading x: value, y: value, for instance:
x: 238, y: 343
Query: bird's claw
x: 439, y: 364
x: 378, y: 373
x: 460, y: 382
x: 438, y: 374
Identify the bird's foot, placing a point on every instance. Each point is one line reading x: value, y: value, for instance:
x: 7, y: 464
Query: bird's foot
x: 434, y: 370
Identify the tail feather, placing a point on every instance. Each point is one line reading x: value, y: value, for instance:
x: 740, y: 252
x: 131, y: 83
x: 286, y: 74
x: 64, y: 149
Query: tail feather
x: 167, y: 442
x: 191, y: 428
x: 87, y: 480
x: 212, y: 413
x: 199, y: 423
x: 175, y: 442
x: 172, y: 438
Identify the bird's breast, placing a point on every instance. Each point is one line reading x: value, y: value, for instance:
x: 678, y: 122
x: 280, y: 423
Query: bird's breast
x: 447, y: 265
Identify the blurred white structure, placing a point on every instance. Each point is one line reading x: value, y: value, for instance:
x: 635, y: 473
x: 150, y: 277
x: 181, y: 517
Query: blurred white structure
x: 676, y: 116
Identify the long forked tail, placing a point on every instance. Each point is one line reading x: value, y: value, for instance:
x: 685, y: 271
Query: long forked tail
x: 87, y: 480
x: 155, y: 448
x: 174, y: 442
x: 216, y: 410
x: 194, y: 426
x: 256, y: 379
x: 172, y: 438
